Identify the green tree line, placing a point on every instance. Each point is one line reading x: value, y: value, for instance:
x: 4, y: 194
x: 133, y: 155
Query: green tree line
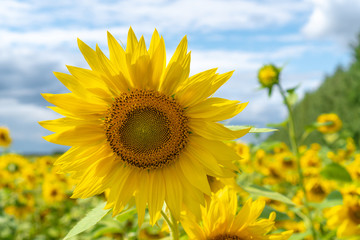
x: 340, y: 94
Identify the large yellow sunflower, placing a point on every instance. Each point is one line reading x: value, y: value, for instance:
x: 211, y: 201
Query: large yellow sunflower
x: 220, y: 220
x: 142, y: 129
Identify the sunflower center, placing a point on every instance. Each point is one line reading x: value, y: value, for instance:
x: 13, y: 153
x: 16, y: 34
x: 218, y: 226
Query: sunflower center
x: 53, y: 193
x: 318, y: 189
x: 2, y: 136
x: 146, y: 129
x: 226, y: 237
x: 354, y: 213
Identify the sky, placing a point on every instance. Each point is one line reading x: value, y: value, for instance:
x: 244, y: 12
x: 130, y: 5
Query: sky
x: 310, y: 38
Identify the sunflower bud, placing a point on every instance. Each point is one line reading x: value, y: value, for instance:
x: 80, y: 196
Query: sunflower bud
x: 268, y: 75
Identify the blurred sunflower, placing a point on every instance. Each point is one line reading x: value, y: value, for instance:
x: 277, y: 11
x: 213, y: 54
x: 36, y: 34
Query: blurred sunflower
x: 345, y: 218
x: 143, y: 129
x: 221, y: 222
x: 331, y: 123
x: 53, y: 192
x: 5, y: 139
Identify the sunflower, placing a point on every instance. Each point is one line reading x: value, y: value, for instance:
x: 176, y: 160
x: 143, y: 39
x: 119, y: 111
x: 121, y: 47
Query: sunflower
x: 146, y: 131
x: 5, y: 139
x: 268, y: 75
x: 345, y: 218
x: 53, y: 192
x: 221, y: 222
x: 330, y: 123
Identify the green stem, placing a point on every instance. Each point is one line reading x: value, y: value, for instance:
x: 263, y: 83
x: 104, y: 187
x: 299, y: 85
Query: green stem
x: 295, y: 150
x: 176, y: 234
x: 304, y: 136
x: 174, y: 229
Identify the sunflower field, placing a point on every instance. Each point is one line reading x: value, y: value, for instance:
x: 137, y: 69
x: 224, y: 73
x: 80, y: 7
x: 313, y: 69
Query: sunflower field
x: 151, y: 158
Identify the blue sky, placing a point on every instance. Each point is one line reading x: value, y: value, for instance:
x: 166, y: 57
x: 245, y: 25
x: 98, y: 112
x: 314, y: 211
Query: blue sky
x: 38, y: 37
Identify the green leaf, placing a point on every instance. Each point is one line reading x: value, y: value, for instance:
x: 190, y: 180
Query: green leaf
x: 252, y: 130
x: 292, y: 90
x: 125, y: 215
x: 319, y: 124
x: 93, y: 217
x: 333, y: 199
x: 276, y: 125
x: 279, y: 215
x: 335, y: 171
x: 105, y: 230
x: 300, y: 236
x: 261, y: 191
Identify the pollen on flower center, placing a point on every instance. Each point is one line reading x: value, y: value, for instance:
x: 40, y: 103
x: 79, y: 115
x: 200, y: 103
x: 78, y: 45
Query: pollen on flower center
x: 146, y: 129
x: 226, y: 237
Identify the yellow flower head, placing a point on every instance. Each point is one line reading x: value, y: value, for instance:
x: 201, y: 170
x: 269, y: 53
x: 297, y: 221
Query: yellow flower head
x: 345, y: 218
x: 268, y: 75
x: 142, y: 129
x: 331, y: 121
x: 317, y: 189
x: 221, y: 222
x: 53, y: 192
x: 5, y: 139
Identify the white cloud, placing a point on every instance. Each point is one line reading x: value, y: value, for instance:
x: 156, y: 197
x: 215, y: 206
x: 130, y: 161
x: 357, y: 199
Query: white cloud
x: 334, y: 19
x: 172, y: 16
x: 21, y: 119
x: 40, y: 37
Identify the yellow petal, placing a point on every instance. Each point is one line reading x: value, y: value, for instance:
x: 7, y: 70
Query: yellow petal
x: 92, y: 183
x: 196, y: 88
x: 174, y: 191
x: 62, y: 124
x: 194, y: 172
x: 80, y: 158
x: 114, y: 79
x: 90, y: 56
x: 82, y: 135
x: 71, y: 83
x: 154, y: 43
x: 215, y: 131
x: 71, y: 103
x: 139, y: 68
x: 117, y: 55
x: 224, y: 154
x: 141, y: 196
x: 206, y: 159
x: 215, y: 109
x: 177, y: 70
x: 126, y: 191
x: 156, y: 195
x: 158, y: 64
x: 132, y: 41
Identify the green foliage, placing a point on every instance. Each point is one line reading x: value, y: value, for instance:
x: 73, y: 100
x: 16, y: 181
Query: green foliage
x: 280, y: 216
x: 89, y: 220
x: 335, y: 171
x: 252, y: 130
x: 333, y: 199
x: 255, y: 190
x: 339, y: 93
